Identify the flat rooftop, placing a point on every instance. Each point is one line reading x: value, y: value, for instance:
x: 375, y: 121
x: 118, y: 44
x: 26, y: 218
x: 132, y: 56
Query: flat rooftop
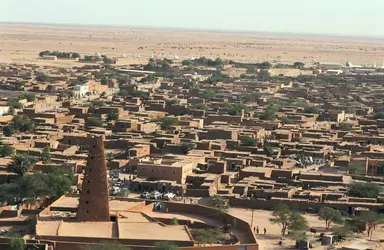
x: 70, y: 202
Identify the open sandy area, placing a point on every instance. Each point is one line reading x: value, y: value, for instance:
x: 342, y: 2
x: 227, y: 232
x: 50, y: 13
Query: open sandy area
x: 22, y: 43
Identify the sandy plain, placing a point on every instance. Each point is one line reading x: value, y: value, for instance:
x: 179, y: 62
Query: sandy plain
x: 21, y: 43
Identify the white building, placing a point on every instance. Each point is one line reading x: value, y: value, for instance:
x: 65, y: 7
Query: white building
x: 80, y: 90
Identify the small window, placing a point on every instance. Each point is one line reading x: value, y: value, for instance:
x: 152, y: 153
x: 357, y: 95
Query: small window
x: 86, y: 202
x: 87, y: 191
x: 174, y: 172
x: 87, y: 211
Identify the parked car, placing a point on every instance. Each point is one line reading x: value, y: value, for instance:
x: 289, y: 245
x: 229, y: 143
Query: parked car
x: 155, y: 195
x: 169, y: 196
x: 115, y: 190
x: 144, y: 195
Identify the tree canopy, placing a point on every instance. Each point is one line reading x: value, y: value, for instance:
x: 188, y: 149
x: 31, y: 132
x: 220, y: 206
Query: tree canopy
x: 269, y: 112
x: 208, y: 236
x: 167, y: 122
x: 372, y: 219
x: 288, y: 219
x: 249, y: 141
x: 330, y: 215
x: 364, y: 189
x: 220, y: 203
x: 21, y: 163
x: 46, y: 156
x: 112, y: 116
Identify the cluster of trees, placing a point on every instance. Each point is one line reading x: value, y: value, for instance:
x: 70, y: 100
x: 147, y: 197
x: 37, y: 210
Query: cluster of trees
x: 312, y: 110
x: 66, y: 94
x: 364, y: 189
x: 29, y: 188
x: 92, y: 58
x: 296, y: 224
x: 288, y: 220
x: 19, y: 124
x: 208, y: 235
x: 236, y: 108
x: 269, y: 112
x: 134, y: 93
x: 208, y: 94
x: 148, y: 78
x: 203, y: 61
x: 159, y: 64
x: 250, y: 97
x: 249, y: 141
x: 94, y: 122
x: 166, y: 122
x: 59, y: 54
x: 217, y: 76
x: 42, y: 78
x: 219, y: 203
x: 15, y: 104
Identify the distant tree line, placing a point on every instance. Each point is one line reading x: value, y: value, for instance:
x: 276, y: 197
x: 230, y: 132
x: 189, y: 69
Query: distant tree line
x: 203, y: 61
x: 159, y: 64
x: 59, y: 54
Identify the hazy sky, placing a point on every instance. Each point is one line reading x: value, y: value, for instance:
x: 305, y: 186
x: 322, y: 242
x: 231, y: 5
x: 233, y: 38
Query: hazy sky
x: 344, y: 17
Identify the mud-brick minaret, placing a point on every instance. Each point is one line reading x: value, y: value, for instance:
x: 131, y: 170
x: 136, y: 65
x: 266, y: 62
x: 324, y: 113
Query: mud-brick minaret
x: 94, y: 195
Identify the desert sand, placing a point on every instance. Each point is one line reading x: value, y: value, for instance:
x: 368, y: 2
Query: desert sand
x: 21, y: 43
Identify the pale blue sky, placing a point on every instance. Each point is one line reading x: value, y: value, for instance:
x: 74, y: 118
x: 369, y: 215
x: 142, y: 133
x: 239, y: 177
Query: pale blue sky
x: 343, y: 17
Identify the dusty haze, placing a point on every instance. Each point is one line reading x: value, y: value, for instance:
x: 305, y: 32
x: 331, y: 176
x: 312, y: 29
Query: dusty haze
x: 22, y: 43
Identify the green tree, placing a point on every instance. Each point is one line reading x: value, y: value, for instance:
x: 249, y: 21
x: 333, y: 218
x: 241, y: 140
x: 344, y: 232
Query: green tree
x: 236, y: 109
x: 288, y: 219
x: 364, y: 189
x: 17, y: 243
x: 6, y: 150
x: 107, y: 60
x: 298, y: 65
x: 165, y: 245
x: 263, y: 76
x: 187, y: 62
x: 21, y: 123
x: 330, y: 215
x: 75, y: 55
x: 201, y: 106
x: 312, y: 110
x: 94, y: 122
x: 112, y: 116
x: 21, y: 163
x: 248, y: 141
x: 8, y: 131
x: 15, y: 104
x: 342, y: 231
x: 30, y: 97
x: 219, y: 203
x: 372, y: 220
x: 269, y: 112
x: 297, y: 236
x: 166, y: 122
x: 46, y: 155
x: 209, y: 235
x: 208, y: 94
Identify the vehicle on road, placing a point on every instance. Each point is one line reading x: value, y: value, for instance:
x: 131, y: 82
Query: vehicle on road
x: 169, y: 196
x: 155, y: 195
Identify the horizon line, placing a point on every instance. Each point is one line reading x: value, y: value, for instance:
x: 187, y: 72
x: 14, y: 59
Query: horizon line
x: 208, y: 30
